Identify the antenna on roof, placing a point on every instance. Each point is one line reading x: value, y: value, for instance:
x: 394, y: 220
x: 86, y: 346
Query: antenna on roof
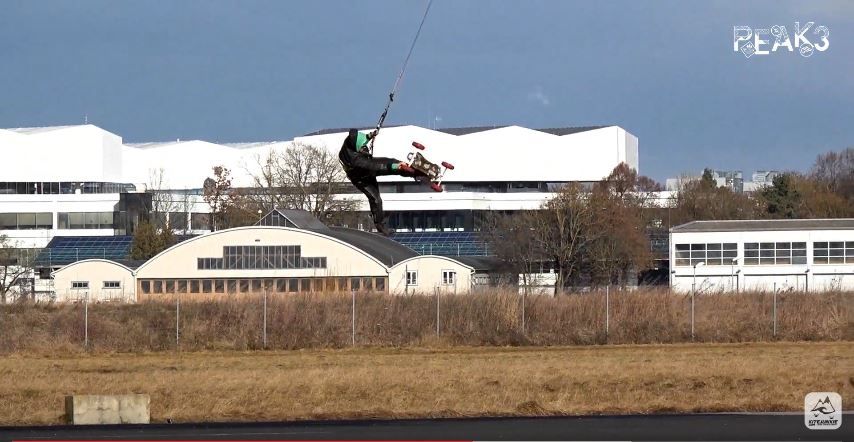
x: 85, y: 119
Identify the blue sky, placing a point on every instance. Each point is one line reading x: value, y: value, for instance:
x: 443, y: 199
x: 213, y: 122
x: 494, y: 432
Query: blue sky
x: 271, y: 70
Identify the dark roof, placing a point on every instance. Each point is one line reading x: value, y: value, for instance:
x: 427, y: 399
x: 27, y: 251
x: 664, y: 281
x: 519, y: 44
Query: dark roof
x: 63, y: 250
x: 443, y: 243
x: 763, y: 225
x: 385, y: 250
x: 302, y: 219
x: 469, y: 130
x: 479, y: 263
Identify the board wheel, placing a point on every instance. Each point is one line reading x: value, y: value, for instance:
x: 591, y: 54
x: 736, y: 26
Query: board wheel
x: 448, y: 165
x: 436, y: 187
x: 418, y: 145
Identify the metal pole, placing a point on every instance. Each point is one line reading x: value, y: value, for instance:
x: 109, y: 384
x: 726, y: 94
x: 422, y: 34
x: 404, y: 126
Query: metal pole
x: 774, y: 312
x: 353, y: 292
x: 436, y: 290
x: 607, y: 309
x: 177, y: 319
x: 86, y: 321
x: 265, y: 318
x: 524, y: 296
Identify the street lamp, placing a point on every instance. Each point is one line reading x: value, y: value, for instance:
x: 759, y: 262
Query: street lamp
x: 259, y: 216
x: 732, y: 273
x: 807, y: 280
x: 693, y: 290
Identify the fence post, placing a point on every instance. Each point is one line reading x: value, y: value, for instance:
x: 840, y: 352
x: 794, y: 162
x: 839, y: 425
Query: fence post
x: 86, y: 321
x: 265, y: 318
x: 692, y: 315
x: 524, y: 295
x: 607, y: 310
x: 774, y: 312
x: 437, y: 310
x: 353, y: 293
x: 177, y: 320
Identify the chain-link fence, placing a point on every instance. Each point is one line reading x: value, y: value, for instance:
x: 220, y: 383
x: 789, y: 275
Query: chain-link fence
x: 317, y: 320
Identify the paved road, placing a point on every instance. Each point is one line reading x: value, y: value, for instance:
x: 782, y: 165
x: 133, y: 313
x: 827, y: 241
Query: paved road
x: 744, y: 427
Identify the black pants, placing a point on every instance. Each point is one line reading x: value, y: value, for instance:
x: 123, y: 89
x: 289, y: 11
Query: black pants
x: 367, y: 184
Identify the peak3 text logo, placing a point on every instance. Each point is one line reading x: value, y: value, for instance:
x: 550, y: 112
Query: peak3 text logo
x: 805, y: 39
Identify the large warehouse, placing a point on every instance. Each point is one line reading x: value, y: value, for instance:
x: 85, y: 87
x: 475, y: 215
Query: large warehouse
x: 84, y: 180
x: 252, y: 260
x: 799, y: 255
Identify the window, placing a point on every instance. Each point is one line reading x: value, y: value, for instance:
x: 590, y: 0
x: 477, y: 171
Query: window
x: 158, y: 286
x: 26, y: 221
x: 244, y: 285
x: 194, y: 286
x: 775, y: 253
x: 182, y: 286
x: 261, y: 258
x: 293, y: 285
x: 219, y: 286
x: 112, y: 284
x: 281, y: 284
x: 256, y: 285
x: 200, y: 221
x: 232, y: 286
x: 207, y: 286
x: 713, y: 254
x: 85, y: 220
x: 379, y: 284
x: 80, y: 285
x: 170, y: 286
x: 833, y: 252
x: 305, y: 285
x: 368, y: 283
x: 355, y: 284
x: 449, y: 277
x: 411, y: 277
x: 146, y: 287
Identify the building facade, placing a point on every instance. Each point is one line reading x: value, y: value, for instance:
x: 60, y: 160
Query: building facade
x: 764, y: 255
x: 259, y: 259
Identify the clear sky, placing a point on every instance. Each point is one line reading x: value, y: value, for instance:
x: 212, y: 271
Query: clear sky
x: 232, y: 71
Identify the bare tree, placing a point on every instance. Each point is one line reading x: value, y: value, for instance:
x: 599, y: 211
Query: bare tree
x: 510, y: 238
x: 836, y: 171
x: 302, y: 177
x: 216, y: 193
x: 564, y: 229
x: 16, y: 267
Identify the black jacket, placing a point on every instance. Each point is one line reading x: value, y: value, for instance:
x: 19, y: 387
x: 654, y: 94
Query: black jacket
x: 358, y: 164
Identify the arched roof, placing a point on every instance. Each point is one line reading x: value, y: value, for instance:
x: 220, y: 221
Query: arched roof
x: 376, y: 247
x: 83, y: 261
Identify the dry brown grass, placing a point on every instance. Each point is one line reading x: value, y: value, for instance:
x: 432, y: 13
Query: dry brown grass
x: 393, y: 383
x: 324, y: 321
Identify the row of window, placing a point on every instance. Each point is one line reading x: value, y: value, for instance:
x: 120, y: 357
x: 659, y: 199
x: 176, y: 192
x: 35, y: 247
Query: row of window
x: 261, y: 258
x: 84, y: 285
x: 258, y: 285
x: 63, y: 187
x: 765, y: 253
x: 65, y: 220
x: 26, y: 221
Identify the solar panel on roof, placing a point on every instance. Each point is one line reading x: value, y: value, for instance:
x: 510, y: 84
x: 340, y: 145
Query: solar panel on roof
x: 444, y: 243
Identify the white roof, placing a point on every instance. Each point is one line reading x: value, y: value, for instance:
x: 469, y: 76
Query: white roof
x: 507, y: 153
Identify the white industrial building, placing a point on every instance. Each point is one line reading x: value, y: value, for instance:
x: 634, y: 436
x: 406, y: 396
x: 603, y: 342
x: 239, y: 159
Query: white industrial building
x: 783, y: 255
x: 80, y: 180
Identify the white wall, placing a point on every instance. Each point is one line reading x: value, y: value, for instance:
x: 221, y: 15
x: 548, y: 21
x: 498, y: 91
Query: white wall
x: 95, y: 272
x: 814, y: 277
x: 429, y: 270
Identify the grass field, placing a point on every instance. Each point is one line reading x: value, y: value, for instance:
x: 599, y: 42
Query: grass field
x: 444, y: 382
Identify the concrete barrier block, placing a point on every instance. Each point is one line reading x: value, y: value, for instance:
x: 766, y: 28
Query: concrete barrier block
x: 90, y: 409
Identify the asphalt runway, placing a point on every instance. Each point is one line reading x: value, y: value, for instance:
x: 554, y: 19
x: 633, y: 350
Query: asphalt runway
x: 720, y: 427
